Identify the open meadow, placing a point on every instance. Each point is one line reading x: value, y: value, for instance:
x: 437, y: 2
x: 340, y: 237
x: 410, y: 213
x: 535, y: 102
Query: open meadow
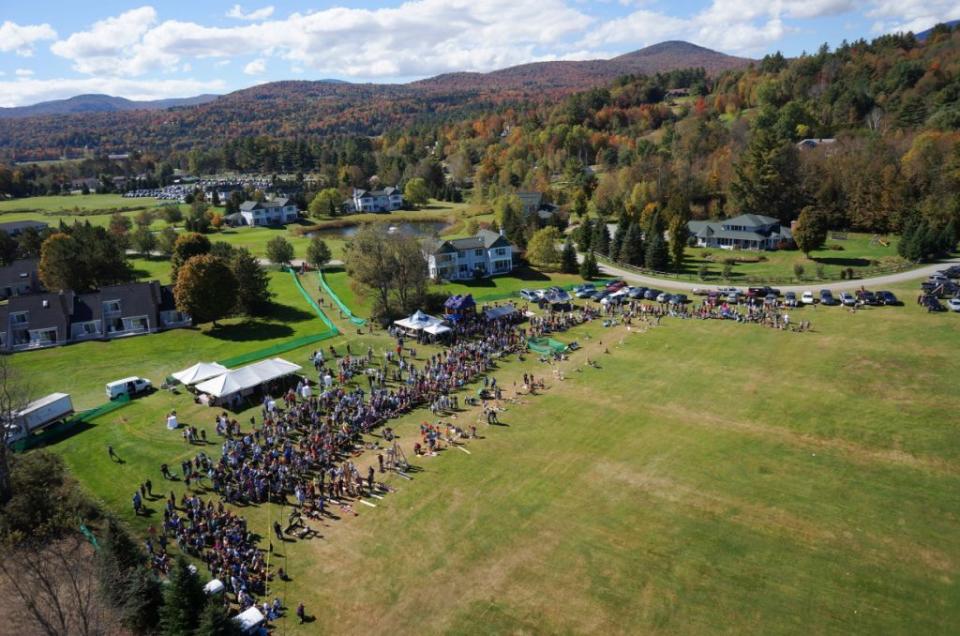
x: 703, y: 476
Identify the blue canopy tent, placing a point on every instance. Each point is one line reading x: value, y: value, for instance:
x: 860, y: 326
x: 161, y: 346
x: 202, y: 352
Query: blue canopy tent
x: 458, y: 307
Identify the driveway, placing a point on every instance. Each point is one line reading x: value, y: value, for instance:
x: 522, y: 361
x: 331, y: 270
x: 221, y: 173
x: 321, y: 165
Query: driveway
x: 877, y: 282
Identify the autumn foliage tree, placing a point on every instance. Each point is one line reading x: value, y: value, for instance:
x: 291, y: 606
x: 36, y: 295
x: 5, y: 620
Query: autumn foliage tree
x: 206, y: 289
x: 186, y: 247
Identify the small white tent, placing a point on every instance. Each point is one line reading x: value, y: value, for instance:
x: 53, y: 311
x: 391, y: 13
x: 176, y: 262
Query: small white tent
x: 249, y: 619
x: 199, y: 372
x: 419, y: 321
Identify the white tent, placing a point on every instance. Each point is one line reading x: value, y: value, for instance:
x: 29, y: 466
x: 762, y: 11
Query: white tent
x: 249, y: 619
x: 199, y: 372
x: 247, y: 377
x: 493, y: 313
x: 419, y: 321
x: 214, y: 586
x: 436, y: 330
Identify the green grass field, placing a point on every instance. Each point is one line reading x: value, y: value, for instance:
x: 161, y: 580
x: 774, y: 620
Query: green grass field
x: 704, y: 477
x: 82, y: 369
x: 858, y: 252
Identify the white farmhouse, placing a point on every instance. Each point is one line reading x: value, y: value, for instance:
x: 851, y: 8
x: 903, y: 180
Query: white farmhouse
x: 386, y: 200
x: 486, y: 254
x: 272, y: 212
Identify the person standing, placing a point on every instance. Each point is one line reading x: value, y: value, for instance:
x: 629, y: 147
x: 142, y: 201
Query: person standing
x: 301, y: 613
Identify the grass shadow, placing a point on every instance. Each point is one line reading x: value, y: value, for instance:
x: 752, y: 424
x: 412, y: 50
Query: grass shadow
x: 843, y: 262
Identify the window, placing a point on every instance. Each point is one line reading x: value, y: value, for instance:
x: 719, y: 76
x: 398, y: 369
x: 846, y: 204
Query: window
x: 41, y: 337
x: 85, y: 329
x: 478, y: 252
x: 19, y: 318
x: 463, y: 268
x: 111, y: 307
x: 501, y: 251
x: 139, y: 323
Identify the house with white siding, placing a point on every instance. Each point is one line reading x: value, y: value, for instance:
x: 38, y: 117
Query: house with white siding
x: 480, y: 256
x: 271, y: 212
x: 386, y: 200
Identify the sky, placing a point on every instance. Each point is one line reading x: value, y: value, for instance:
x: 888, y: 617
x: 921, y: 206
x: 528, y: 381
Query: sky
x: 179, y: 48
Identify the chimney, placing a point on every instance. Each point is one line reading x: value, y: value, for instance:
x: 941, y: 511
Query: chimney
x: 501, y: 231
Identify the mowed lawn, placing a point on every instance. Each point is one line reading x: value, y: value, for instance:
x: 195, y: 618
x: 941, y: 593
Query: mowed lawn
x: 82, y: 369
x: 704, y: 477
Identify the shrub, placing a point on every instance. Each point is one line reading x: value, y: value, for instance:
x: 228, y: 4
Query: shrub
x: 727, y: 269
x: 820, y: 271
x: 702, y: 272
x: 843, y: 274
x: 798, y: 270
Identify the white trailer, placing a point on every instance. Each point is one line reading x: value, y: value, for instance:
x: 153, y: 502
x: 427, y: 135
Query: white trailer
x: 37, y: 415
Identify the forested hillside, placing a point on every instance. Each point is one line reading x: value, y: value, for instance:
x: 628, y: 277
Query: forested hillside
x: 718, y: 145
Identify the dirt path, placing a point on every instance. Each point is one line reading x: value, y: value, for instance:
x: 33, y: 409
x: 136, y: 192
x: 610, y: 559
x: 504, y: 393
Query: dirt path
x: 877, y: 282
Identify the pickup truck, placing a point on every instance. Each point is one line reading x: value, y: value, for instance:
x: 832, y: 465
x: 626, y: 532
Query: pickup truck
x: 37, y: 415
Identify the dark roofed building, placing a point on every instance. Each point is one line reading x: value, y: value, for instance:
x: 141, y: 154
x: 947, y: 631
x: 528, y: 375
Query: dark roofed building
x: 19, y: 278
x: 485, y: 254
x: 14, y: 228
x: 43, y: 320
x: 747, y: 231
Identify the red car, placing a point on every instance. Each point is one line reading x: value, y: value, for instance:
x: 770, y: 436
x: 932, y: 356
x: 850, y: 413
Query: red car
x: 614, y: 286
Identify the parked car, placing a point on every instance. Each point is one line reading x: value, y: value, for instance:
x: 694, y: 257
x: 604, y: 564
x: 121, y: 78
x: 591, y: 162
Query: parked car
x: 762, y: 292
x: 584, y: 291
x: 529, y: 295
x: 127, y: 386
x: 651, y: 294
x: 728, y: 290
x: 679, y: 299
x: 615, y: 285
x: 887, y: 298
x: 826, y: 297
x: 733, y: 297
x: 613, y: 299
x: 699, y: 291
x: 637, y: 292
x: 931, y: 303
x: 953, y: 304
x: 598, y: 296
x: 807, y: 298
x: 847, y: 299
x: 663, y: 297
x: 790, y: 299
x: 867, y: 297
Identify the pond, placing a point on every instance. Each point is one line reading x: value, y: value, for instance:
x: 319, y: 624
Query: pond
x: 408, y: 228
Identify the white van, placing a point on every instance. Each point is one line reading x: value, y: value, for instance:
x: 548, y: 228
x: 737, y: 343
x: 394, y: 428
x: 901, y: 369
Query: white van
x: 128, y: 386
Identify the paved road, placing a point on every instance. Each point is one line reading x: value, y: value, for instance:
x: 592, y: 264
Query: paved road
x: 875, y: 283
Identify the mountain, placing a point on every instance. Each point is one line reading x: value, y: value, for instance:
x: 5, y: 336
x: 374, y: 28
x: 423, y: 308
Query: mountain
x: 292, y: 109
x: 923, y: 35
x: 99, y: 104
x: 666, y: 56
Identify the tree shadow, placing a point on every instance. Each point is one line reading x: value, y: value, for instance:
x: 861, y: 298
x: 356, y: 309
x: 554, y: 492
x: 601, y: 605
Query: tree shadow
x: 843, y: 262
x: 287, y: 313
x: 251, y: 330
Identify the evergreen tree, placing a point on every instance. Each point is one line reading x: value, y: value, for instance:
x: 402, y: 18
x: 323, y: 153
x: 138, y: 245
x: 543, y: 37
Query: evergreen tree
x: 253, y: 283
x: 585, y: 236
x: 657, y: 256
x: 568, y: 258
x: 632, y: 252
x: 589, y: 268
x: 601, y: 238
x: 216, y: 621
x: 183, y: 600
x: 767, y: 179
x: 617, y: 243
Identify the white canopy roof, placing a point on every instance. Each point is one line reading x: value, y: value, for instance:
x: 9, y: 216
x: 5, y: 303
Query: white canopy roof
x: 419, y: 321
x: 436, y: 330
x: 249, y: 619
x: 247, y: 377
x: 492, y: 313
x: 199, y: 372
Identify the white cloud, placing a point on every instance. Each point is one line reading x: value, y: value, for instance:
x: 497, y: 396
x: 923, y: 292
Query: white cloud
x: 236, y: 11
x: 21, y: 38
x: 114, y: 46
x: 23, y: 72
x: 256, y: 67
x: 25, y: 91
x: 912, y: 15
x: 417, y: 38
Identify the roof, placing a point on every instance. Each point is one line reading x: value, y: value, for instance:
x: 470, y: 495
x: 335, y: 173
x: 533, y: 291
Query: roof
x: 247, y: 377
x: 533, y: 199
x: 15, y: 227
x: 21, y: 270
x: 42, y: 402
x: 386, y: 192
x: 459, y: 303
x: 199, y: 372
x: 136, y: 299
x: 484, y: 239
x: 250, y: 206
x: 46, y: 310
x: 751, y: 220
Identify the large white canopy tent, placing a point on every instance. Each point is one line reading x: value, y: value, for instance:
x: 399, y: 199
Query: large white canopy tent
x: 199, y: 372
x: 247, y: 377
x: 420, y: 321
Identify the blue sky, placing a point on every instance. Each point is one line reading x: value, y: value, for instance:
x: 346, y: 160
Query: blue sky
x: 51, y: 50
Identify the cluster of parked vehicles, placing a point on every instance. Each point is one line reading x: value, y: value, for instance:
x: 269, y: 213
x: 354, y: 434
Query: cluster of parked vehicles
x: 942, y: 285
